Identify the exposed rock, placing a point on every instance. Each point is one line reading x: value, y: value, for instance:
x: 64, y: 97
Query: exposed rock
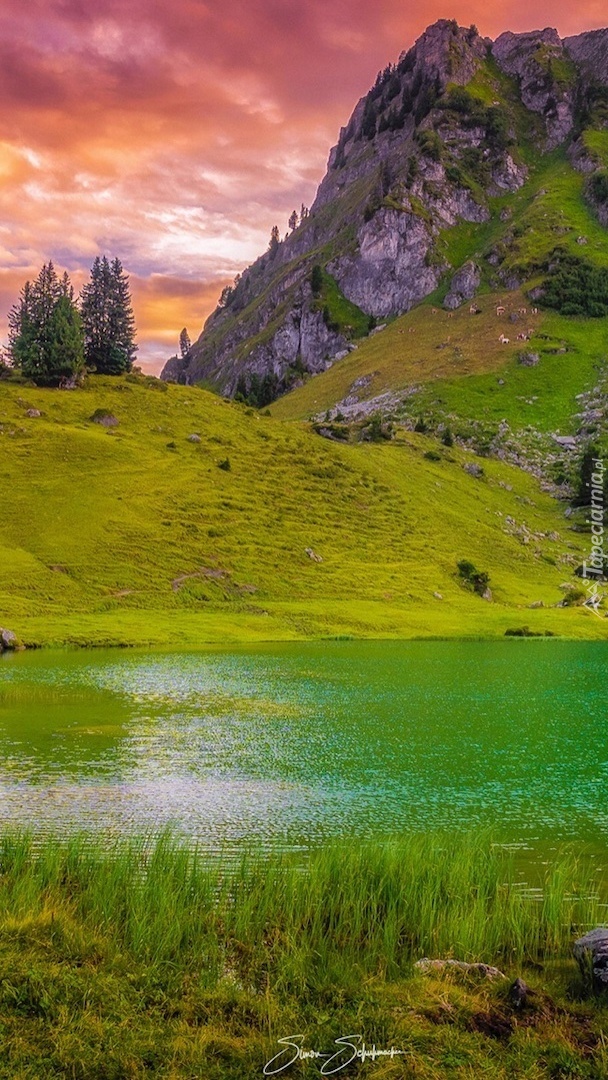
x: 528, y: 359
x: 519, y: 993
x: 590, y: 52
x: 591, y: 952
x: 313, y: 555
x: 464, y: 285
x: 106, y: 419
x: 389, y: 272
x: 428, y: 967
x: 33, y: 413
x: 473, y: 470
x: 438, y: 596
x: 8, y: 641
x: 194, y: 438
x: 487, y: 595
x: 530, y: 56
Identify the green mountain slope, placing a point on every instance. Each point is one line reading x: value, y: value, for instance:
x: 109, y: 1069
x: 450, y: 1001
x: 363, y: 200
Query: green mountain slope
x: 135, y: 533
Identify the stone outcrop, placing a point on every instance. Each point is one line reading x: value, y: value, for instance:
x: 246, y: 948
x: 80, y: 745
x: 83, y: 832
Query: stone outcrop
x: 591, y: 952
x: 464, y: 285
x: 534, y: 58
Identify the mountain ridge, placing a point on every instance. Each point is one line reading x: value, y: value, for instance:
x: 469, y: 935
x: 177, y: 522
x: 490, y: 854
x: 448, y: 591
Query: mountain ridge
x: 457, y: 124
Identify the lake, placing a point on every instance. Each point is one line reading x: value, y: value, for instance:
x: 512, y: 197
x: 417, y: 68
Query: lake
x: 286, y: 745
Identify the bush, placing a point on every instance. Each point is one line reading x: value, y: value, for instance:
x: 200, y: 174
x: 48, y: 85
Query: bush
x: 476, y: 579
x: 598, y: 187
x: 432, y: 455
x: 447, y: 438
x: 316, y: 280
x: 224, y: 465
x: 577, y: 287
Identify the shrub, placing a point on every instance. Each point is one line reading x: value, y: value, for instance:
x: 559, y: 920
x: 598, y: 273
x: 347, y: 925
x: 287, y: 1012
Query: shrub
x: 432, y: 455
x: 476, y: 579
x: 577, y: 287
x: 447, y: 438
x: 316, y: 280
x: 224, y: 465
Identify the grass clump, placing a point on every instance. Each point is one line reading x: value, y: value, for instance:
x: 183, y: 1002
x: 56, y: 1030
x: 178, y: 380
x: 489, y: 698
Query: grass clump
x: 142, y: 957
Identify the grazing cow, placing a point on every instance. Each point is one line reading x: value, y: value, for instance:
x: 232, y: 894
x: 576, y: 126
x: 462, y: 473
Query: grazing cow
x: 412, y: 329
x: 450, y: 315
x: 535, y: 311
x: 503, y: 340
x: 523, y: 311
x: 500, y: 310
x: 433, y: 311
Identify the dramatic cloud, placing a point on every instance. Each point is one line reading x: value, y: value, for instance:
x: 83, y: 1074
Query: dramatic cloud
x: 175, y: 136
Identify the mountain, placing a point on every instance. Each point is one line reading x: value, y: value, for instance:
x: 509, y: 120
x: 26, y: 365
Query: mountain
x: 471, y: 168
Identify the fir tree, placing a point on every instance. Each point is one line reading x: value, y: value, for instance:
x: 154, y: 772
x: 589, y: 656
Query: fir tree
x: 46, y: 341
x: 184, y: 343
x: 108, y: 320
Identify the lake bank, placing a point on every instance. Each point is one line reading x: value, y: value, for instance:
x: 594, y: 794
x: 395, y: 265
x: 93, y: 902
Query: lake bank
x: 131, y: 959
x: 363, y: 621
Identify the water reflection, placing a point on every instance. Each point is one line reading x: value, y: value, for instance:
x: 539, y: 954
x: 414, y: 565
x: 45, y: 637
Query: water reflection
x: 288, y: 744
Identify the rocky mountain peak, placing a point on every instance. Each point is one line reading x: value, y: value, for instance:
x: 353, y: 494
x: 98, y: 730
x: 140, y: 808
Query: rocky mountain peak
x: 438, y: 136
x: 590, y: 52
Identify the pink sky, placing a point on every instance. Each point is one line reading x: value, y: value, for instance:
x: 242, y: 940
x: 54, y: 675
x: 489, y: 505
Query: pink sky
x: 175, y: 135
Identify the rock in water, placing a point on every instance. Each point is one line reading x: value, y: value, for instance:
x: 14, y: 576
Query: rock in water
x: 591, y: 952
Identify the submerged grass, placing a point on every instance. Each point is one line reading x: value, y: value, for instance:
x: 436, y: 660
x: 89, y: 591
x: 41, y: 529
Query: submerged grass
x: 142, y: 957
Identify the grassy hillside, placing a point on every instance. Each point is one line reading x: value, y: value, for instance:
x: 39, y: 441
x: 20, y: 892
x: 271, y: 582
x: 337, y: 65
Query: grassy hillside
x: 134, y: 534
x: 430, y: 345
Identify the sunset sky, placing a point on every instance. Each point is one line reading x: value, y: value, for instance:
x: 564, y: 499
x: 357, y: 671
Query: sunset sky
x: 175, y: 135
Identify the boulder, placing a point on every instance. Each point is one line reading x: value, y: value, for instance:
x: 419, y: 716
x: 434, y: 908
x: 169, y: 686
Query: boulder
x: 33, y: 413
x: 464, y: 285
x: 194, y: 438
x: 591, y: 953
x: 8, y: 641
x: 528, y: 359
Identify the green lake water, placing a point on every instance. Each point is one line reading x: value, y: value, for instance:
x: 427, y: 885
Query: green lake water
x: 287, y: 745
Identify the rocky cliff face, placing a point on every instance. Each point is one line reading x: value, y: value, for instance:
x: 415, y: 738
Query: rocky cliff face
x: 426, y: 148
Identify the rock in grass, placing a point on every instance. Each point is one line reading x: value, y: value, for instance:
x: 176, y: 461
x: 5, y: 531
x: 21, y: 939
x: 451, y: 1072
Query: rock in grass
x: 518, y: 994
x: 8, y: 641
x: 427, y: 967
x: 105, y: 418
x: 194, y: 438
x: 33, y: 413
x: 591, y: 952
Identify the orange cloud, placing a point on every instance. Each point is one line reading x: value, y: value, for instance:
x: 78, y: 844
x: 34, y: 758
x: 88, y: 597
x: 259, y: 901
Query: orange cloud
x: 175, y: 136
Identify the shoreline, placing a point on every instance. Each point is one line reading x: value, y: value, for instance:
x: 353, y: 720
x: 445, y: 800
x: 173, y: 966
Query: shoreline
x: 134, y: 959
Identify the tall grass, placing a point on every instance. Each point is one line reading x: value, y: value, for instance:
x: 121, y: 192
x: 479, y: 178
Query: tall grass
x: 354, y: 908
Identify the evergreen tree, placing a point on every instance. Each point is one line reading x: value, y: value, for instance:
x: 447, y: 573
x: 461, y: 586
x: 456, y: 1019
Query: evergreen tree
x: 46, y: 339
x: 184, y: 343
x: 108, y: 320
x: 293, y: 221
x: 275, y: 240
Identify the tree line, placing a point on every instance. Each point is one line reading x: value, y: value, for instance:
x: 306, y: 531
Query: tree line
x: 55, y: 338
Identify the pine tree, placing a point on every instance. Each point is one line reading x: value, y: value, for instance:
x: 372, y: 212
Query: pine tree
x: 184, y: 343
x: 293, y: 221
x: 108, y: 320
x: 275, y: 239
x: 46, y: 341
